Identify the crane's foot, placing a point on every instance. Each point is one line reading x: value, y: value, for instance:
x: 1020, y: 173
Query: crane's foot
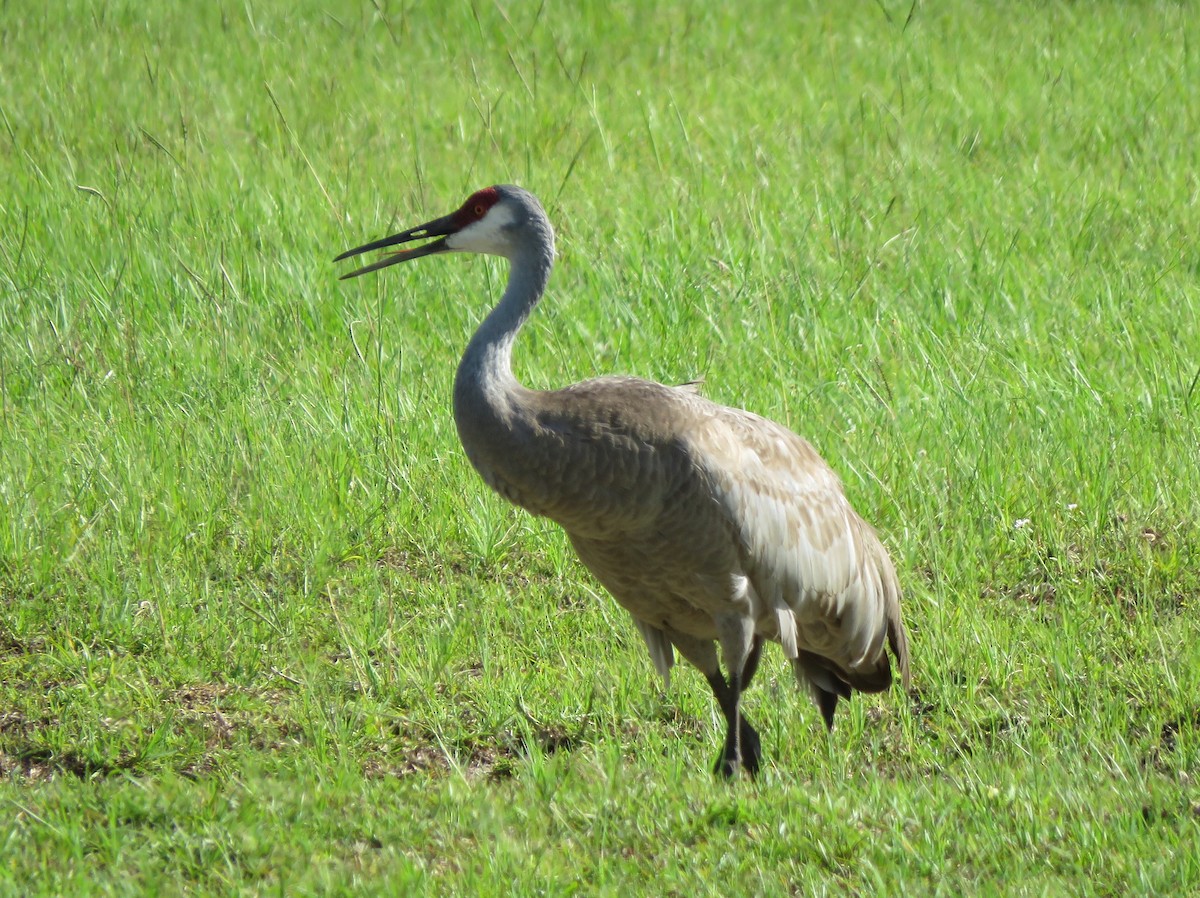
x: 725, y: 767
x: 747, y: 754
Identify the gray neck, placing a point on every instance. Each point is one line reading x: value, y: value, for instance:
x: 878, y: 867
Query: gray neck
x: 485, y: 382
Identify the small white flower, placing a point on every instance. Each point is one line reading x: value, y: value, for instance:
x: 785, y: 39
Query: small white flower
x: 1020, y: 523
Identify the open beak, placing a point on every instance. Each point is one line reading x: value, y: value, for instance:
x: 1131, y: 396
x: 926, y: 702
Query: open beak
x: 441, y: 227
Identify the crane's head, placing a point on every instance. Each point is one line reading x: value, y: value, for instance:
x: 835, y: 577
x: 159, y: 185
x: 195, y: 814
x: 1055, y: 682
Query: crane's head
x: 499, y: 221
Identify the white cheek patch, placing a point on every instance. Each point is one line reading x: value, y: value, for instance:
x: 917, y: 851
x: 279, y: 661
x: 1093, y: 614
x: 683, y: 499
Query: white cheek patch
x: 486, y: 235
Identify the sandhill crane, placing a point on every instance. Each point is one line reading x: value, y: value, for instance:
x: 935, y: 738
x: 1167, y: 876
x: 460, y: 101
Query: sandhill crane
x: 708, y: 524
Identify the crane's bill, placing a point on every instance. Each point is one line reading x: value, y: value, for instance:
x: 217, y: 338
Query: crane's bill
x: 437, y: 228
x: 402, y: 255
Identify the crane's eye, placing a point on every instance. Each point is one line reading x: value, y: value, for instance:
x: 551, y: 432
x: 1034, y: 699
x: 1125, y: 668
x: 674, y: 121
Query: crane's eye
x: 479, y: 210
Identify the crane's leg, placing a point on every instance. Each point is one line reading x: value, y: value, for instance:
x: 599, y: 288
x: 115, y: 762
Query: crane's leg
x: 751, y: 666
x: 746, y: 748
x: 741, y: 647
x: 751, y: 745
x: 703, y: 655
x: 730, y: 757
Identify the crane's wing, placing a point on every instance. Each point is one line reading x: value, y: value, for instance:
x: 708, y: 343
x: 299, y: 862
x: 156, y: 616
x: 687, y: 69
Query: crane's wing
x: 812, y: 562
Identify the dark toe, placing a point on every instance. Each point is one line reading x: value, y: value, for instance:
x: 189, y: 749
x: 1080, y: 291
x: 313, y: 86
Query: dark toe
x: 726, y: 766
x: 751, y: 754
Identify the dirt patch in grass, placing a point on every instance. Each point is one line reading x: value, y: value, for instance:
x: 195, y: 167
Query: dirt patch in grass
x: 1144, y: 567
x: 1161, y: 755
x: 492, y: 756
x: 38, y: 765
x: 192, y: 732
x: 24, y: 756
x: 12, y: 647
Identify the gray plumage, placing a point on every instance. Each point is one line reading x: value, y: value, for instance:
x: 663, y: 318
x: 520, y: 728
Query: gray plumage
x: 708, y: 524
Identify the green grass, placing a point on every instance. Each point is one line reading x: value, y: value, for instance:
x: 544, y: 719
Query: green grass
x: 262, y: 630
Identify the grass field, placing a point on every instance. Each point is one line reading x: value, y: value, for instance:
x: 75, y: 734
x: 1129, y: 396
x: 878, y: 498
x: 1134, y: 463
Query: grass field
x: 264, y: 631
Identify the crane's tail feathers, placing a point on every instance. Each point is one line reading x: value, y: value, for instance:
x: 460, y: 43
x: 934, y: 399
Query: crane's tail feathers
x: 786, y: 621
x: 896, y: 634
x: 661, y: 651
x: 819, y: 674
x: 877, y: 680
x: 823, y: 678
x: 824, y: 685
x: 898, y: 640
x: 827, y: 704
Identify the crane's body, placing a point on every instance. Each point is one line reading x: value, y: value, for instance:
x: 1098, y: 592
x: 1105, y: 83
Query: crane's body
x: 708, y: 524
